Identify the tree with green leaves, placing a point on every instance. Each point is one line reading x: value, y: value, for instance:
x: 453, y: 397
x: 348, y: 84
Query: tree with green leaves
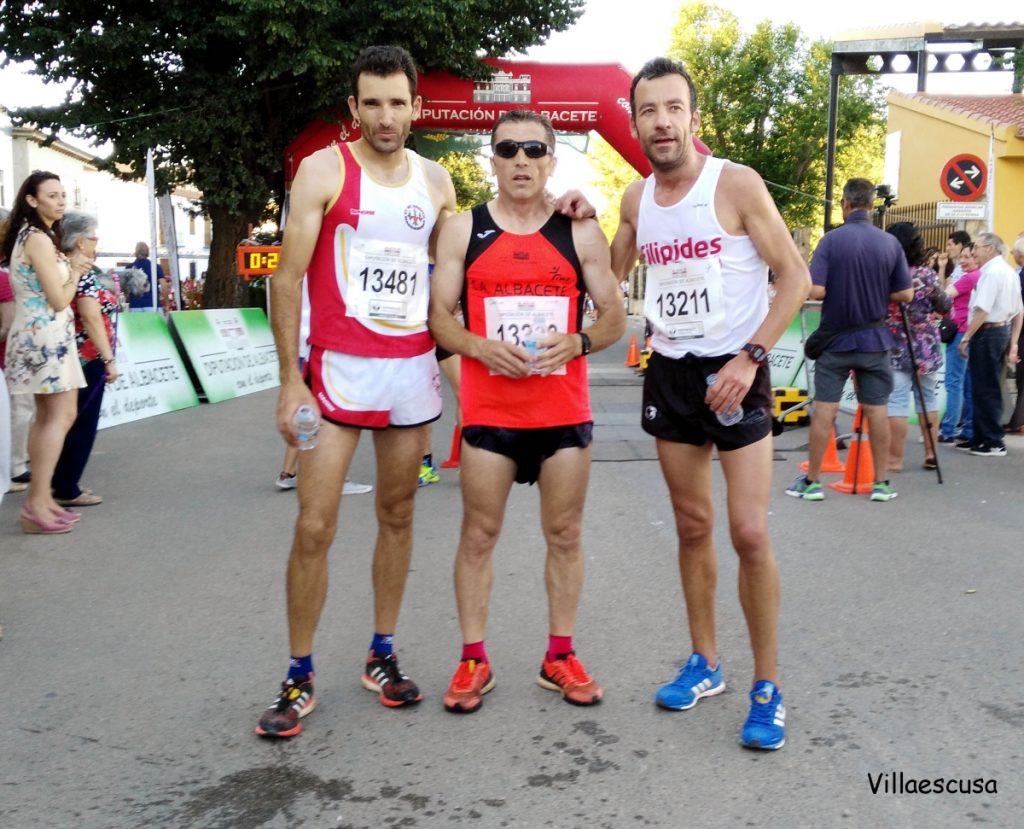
x: 218, y: 91
x: 763, y: 99
x: 471, y: 184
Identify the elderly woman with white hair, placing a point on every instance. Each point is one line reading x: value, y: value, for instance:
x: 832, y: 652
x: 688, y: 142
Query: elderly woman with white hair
x: 95, y: 308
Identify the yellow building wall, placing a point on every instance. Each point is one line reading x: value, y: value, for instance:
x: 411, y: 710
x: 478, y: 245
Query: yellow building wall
x: 931, y: 136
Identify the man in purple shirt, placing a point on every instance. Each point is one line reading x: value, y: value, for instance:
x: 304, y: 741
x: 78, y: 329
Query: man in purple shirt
x: 857, y: 270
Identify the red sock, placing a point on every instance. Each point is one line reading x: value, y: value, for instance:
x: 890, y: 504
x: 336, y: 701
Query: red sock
x: 559, y: 646
x: 474, y: 650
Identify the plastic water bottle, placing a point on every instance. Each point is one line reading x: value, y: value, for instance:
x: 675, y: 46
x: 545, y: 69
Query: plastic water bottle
x: 307, y: 425
x: 726, y: 418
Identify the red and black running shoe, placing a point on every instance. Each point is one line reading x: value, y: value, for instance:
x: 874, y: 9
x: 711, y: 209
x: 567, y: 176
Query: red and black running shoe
x: 383, y: 676
x: 282, y: 719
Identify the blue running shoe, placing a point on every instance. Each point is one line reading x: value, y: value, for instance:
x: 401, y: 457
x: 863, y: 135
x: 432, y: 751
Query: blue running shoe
x: 765, y: 728
x: 695, y: 680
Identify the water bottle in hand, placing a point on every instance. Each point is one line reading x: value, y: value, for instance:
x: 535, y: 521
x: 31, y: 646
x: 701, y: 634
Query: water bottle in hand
x: 307, y: 425
x: 726, y: 418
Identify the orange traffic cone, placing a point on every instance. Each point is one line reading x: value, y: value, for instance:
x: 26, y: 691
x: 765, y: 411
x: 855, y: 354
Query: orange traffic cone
x: 860, y: 467
x: 831, y: 462
x: 453, y: 455
x: 633, y: 355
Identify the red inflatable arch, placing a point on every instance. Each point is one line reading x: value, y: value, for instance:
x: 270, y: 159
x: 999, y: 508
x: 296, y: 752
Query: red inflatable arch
x: 576, y: 97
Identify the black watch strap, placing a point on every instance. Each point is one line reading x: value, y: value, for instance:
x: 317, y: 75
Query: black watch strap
x: 585, y: 342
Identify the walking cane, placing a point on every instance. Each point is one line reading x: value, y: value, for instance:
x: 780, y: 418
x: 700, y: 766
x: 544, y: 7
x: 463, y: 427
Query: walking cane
x: 929, y: 438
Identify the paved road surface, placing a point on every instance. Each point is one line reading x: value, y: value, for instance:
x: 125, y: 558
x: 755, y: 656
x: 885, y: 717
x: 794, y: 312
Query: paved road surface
x: 139, y: 651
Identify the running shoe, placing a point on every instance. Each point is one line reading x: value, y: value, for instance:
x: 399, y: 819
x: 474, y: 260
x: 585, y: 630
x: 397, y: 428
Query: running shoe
x: 989, y: 450
x: 808, y: 490
x: 353, y: 488
x: 282, y: 719
x: 471, y: 681
x: 286, y: 481
x: 567, y: 675
x: 765, y: 728
x: 967, y: 444
x: 383, y: 675
x: 428, y: 474
x: 695, y: 680
x: 881, y: 491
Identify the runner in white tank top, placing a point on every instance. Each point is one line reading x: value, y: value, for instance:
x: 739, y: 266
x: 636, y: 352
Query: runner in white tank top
x: 707, y: 227
x: 706, y: 289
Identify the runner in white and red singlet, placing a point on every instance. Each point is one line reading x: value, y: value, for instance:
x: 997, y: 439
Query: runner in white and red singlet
x: 361, y: 220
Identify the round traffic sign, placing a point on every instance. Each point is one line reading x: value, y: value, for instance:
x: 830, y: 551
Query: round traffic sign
x: 964, y: 177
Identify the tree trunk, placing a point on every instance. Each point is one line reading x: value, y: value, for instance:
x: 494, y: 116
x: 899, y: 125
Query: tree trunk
x: 224, y: 288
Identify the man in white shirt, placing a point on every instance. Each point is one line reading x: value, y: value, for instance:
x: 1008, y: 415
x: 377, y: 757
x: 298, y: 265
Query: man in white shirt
x: 995, y: 324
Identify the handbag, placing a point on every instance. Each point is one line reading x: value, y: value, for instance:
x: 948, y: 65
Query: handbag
x: 821, y: 338
x: 947, y: 330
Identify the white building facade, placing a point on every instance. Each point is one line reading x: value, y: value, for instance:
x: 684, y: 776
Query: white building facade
x: 121, y: 207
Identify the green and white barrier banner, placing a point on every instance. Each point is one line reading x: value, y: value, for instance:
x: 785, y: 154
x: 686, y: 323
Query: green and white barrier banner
x: 153, y: 379
x: 231, y: 350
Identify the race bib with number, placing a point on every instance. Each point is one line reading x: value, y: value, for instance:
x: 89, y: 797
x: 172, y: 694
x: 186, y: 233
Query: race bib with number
x: 387, y: 282
x: 684, y: 301
x: 526, y: 321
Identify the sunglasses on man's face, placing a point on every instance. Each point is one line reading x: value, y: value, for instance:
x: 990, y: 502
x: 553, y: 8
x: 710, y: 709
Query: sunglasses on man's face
x: 533, y: 149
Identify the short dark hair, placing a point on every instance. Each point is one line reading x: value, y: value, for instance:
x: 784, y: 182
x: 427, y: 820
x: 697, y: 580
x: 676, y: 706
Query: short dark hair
x: 658, y: 68
x: 859, y: 192
x: 22, y: 212
x: 524, y: 116
x: 960, y: 237
x: 383, y: 61
x: 910, y: 240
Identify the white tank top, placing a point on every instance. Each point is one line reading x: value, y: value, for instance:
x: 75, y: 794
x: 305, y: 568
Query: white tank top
x: 707, y: 291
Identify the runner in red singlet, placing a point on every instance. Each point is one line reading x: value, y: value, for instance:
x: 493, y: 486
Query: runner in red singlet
x: 521, y: 271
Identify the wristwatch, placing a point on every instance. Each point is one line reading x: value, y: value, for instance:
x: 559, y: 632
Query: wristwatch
x: 757, y: 353
x: 585, y: 343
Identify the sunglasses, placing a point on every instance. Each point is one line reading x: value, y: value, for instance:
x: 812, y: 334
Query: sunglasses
x: 509, y: 149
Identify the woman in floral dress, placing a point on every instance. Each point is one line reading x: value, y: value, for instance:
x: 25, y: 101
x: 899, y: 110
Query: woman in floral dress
x: 929, y: 300
x: 41, y: 355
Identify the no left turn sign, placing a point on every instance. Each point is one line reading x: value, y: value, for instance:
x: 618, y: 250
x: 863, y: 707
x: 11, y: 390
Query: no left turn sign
x: 964, y: 177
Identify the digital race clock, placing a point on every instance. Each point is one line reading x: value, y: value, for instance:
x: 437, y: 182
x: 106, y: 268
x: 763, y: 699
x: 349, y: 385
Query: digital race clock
x: 257, y: 260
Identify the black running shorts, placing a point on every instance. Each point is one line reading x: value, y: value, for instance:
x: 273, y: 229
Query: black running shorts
x: 529, y: 448
x: 674, y: 407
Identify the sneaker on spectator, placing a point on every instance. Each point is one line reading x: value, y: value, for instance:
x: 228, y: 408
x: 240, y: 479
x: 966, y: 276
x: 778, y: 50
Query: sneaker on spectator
x: 428, y: 474
x: 988, y: 450
x: 695, y: 680
x: 882, y: 491
x: 353, y: 488
x: 765, y: 727
x: 967, y: 444
x: 808, y: 490
x: 19, y: 483
x: 286, y: 481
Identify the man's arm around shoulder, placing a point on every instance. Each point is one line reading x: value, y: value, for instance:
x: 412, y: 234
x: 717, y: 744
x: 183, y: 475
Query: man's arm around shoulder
x: 595, y: 260
x: 624, y: 252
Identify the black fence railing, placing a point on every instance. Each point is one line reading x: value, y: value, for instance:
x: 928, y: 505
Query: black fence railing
x: 935, y: 231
